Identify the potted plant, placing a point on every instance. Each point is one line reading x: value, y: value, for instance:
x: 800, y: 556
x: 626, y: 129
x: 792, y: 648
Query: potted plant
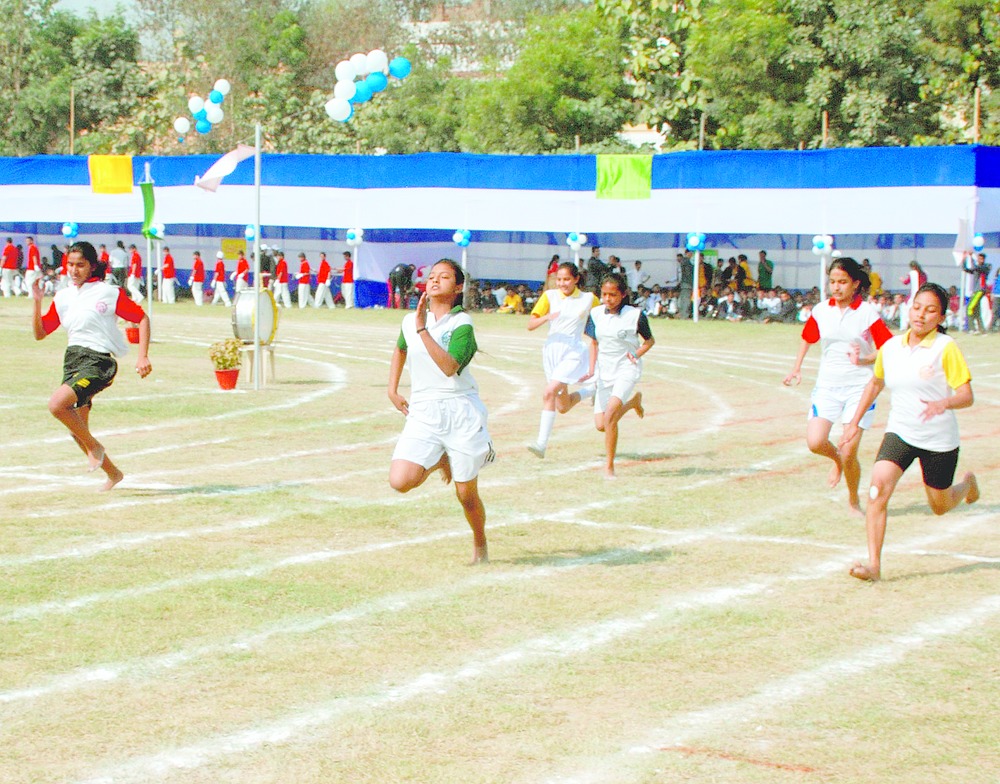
x: 225, y: 356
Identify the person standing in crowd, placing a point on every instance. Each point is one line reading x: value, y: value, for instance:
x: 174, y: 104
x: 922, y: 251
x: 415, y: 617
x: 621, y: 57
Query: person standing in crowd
x: 89, y: 309
x: 620, y: 336
x: 685, y: 274
x: 915, y: 278
x: 550, y: 272
x: 63, y: 270
x: 929, y: 380
x: 874, y: 277
x: 445, y: 419
x: 9, y: 268
x: 219, y: 281
x: 400, y: 283
x: 103, y: 256
x: 134, y: 281
x: 281, y: 293
x: 119, y: 264
x: 637, y: 278
x: 979, y: 269
x: 347, y: 280
x: 198, y: 279
x: 304, y: 292
x: 565, y: 358
x: 765, y: 271
x: 33, y: 268
x: 168, y: 274
x: 323, y: 295
x: 241, y: 278
x: 848, y: 330
x: 596, y: 269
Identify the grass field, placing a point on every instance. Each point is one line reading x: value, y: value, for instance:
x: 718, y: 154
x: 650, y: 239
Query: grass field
x: 254, y: 604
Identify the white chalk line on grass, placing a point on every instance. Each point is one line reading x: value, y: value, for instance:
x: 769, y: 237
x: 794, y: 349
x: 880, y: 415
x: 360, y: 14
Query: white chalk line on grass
x: 304, y: 724
x: 777, y: 695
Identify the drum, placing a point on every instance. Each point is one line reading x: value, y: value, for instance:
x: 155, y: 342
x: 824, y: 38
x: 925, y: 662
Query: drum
x: 243, y: 316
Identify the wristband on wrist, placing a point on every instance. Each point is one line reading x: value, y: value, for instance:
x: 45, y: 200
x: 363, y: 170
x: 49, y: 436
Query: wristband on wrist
x: 422, y: 329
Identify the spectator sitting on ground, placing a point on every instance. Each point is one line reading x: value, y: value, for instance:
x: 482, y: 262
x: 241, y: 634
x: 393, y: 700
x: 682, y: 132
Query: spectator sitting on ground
x: 654, y: 302
x: 787, y: 313
x: 640, y: 297
x: 512, y: 302
x: 952, y: 319
x: 672, y: 305
x: 728, y: 307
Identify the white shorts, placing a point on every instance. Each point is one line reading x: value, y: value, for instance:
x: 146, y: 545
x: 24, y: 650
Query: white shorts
x: 456, y: 426
x: 621, y: 387
x: 565, y: 361
x: 838, y: 404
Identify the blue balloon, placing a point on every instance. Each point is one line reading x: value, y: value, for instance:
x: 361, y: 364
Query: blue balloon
x: 466, y: 235
x: 464, y: 243
x: 201, y: 114
x: 364, y: 92
x: 376, y: 82
x: 400, y: 67
x: 203, y: 126
x: 216, y: 97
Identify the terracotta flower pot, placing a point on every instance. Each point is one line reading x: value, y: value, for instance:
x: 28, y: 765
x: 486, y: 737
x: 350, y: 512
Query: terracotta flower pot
x: 132, y: 334
x: 227, y: 378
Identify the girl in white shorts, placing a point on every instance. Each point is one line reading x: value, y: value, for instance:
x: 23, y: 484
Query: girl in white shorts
x: 928, y: 377
x: 620, y: 335
x: 848, y: 330
x: 565, y: 308
x: 445, y: 419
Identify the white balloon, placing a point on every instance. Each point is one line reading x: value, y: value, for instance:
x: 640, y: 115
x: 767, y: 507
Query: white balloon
x: 344, y: 71
x: 196, y: 103
x: 360, y: 63
x: 345, y: 90
x: 377, y: 60
x: 338, y: 109
x: 223, y: 86
x: 583, y: 239
x: 182, y: 125
x: 214, y: 113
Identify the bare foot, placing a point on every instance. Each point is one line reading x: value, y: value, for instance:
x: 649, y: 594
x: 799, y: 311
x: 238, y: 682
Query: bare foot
x: 973, y: 495
x: 609, y: 473
x: 479, y: 555
x: 854, y: 506
x: 866, y: 573
x: 95, y: 459
x: 833, y: 478
x: 445, y: 465
x: 638, y: 405
x: 114, y: 477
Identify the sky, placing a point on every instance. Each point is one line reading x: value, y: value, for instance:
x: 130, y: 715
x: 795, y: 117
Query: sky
x: 102, y: 7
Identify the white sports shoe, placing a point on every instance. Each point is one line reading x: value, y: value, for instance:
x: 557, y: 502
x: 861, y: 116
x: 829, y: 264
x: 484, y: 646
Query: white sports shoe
x: 536, y: 450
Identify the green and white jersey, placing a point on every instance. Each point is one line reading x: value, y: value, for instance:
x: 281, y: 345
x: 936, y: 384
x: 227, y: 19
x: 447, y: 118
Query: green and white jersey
x: 455, y: 335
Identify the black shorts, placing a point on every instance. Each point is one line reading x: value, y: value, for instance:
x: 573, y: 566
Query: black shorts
x: 938, y: 467
x: 87, y: 372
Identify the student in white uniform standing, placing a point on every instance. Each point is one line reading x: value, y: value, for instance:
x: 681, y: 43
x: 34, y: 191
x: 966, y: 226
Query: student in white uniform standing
x: 565, y: 358
x: 929, y: 380
x: 445, y: 419
x: 620, y: 336
x: 848, y: 330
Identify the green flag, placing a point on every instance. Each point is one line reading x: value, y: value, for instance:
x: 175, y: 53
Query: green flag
x: 148, y: 208
x: 624, y: 176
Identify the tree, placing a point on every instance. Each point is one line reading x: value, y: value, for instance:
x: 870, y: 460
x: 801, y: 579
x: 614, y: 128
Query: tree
x: 554, y: 93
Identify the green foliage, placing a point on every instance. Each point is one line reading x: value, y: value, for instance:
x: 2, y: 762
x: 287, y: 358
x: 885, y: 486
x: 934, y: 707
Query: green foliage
x: 555, y: 92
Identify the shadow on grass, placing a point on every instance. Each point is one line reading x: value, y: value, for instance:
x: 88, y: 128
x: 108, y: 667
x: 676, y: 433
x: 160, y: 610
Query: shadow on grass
x: 202, y: 490
x: 963, y: 569
x: 573, y: 558
x: 924, y: 509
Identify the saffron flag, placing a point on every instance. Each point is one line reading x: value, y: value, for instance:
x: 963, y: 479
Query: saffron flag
x: 223, y: 167
x: 624, y: 176
x: 110, y: 173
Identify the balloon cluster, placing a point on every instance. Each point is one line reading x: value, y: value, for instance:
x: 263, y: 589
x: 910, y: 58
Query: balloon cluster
x: 695, y: 241
x: 361, y: 77
x: 462, y: 238
x: 250, y: 232
x: 157, y: 231
x: 575, y: 240
x: 823, y: 245
x: 355, y: 237
x: 70, y: 229
x: 978, y: 243
x: 206, y: 112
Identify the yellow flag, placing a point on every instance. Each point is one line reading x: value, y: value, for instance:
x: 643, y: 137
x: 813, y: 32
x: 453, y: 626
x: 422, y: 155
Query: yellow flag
x: 110, y: 173
x: 624, y: 176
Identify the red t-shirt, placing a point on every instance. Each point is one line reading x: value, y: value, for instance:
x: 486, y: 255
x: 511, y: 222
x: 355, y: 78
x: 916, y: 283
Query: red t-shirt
x: 220, y: 272
x: 168, y: 267
x: 348, y: 271
x: 198, y: 271
x: 323, y: 276
x: 135, y: 265
x: 9, y: 256
x: 242, y: 269
x: 104, y: 256
x: 34, y: 258
x: 304, y: 272
x: 281, y: 271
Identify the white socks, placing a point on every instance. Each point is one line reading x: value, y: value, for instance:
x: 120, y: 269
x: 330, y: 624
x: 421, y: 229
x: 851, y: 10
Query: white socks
x: 545, y: 428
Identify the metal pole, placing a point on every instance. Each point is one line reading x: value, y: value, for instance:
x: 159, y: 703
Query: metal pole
x: 257, y: 363
x: 149, y: 263
x: 696, y: 286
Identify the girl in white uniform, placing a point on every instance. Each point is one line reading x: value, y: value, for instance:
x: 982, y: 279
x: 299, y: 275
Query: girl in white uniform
x: 929, y: 379
x: 89, y: 309
x: 620, y: 336
x: 848, y: 330
x: 565, y: 358
x: 445, y: 419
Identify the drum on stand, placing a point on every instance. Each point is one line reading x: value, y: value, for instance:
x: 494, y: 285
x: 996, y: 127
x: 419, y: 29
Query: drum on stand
x: 243, y: 316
